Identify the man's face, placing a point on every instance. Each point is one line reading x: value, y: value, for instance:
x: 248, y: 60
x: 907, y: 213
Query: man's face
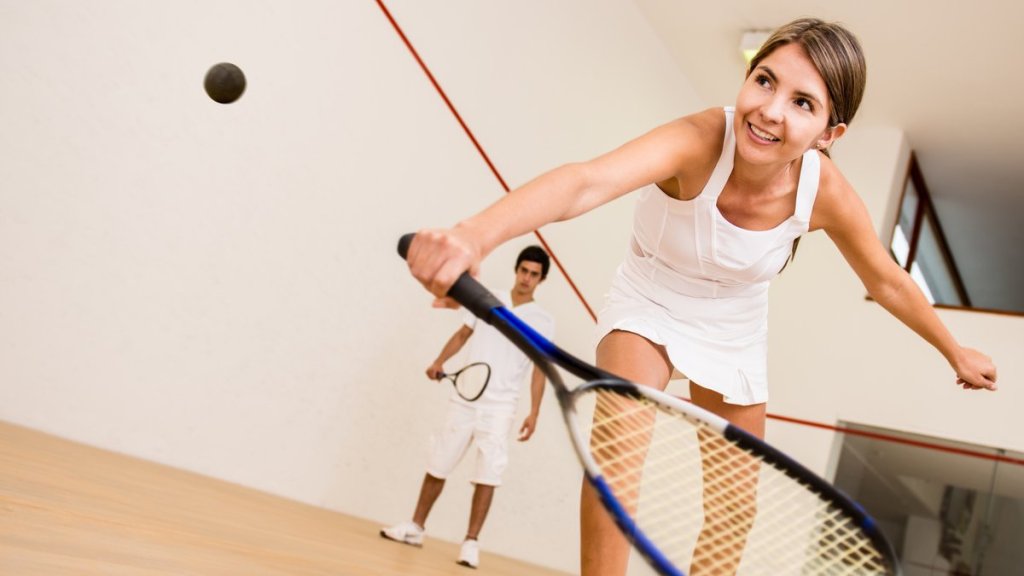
x: 527, y: 277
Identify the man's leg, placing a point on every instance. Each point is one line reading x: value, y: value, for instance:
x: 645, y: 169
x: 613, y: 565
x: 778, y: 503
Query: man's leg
x: 469, y: 554
x: 482, y: 496
x: 412, y: 532
x: 429, y: 492
x: 493, y: 428
x: 449, y: 446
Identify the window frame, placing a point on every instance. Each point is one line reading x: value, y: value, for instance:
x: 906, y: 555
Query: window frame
x: 926, y: 209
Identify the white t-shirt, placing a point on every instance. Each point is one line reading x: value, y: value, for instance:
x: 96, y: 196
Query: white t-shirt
x: 509, y: 366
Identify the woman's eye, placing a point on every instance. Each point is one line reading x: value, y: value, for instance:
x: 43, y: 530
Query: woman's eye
x: 805, y: 104
x: 763, y: 80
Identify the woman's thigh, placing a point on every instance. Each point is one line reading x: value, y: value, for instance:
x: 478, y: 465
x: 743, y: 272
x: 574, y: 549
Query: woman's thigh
x: 750, y: 418
x: 639, y: 360
x: 634, y: 358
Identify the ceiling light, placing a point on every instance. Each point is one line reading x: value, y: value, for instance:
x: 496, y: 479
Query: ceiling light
x: 751, y: 43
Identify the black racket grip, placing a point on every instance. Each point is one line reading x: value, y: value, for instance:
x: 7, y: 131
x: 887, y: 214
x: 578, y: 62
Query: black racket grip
x: 466, y: 290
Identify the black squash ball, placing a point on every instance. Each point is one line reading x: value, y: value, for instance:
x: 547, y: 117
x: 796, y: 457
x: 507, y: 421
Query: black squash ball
x: 225, y: 82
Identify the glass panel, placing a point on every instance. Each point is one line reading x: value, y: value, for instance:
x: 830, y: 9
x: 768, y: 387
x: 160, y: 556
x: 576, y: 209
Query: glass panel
x: 899, y: 246
x: 934, y: 266
x: 945, y: 512
x: 915, y: 273
x: 1001, y: 554
x: 908, y: 208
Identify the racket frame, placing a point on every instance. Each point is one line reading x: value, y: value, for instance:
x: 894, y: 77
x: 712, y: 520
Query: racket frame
x: 453, y: 378
x: 546, y: 355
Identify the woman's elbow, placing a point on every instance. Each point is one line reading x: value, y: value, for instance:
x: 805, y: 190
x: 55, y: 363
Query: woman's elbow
x: 891, y: 289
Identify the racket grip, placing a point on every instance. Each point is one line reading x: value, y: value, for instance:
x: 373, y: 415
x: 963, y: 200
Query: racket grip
x: 466, y: 290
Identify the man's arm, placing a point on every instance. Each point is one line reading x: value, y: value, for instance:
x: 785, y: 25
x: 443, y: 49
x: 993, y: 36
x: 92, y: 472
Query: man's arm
x: 536, y: 395
x: 451, y: 348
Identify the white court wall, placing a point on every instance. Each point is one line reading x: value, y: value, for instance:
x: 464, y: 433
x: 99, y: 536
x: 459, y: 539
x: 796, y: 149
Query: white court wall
x: 836, y: 356
x: 215, y: 287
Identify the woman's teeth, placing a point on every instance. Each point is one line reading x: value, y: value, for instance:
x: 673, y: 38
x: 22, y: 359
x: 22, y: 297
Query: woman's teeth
x: 763, y: 135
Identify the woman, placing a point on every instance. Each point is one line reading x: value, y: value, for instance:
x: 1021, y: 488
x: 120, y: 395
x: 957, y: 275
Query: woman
x: 723, y: 197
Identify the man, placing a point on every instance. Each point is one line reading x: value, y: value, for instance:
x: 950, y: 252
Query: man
x: 485, y: 424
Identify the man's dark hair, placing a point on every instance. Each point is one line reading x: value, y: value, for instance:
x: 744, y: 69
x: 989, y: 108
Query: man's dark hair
x: 538, y: 255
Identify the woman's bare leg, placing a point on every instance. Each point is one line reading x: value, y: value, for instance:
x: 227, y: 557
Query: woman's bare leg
x: 730, y: 494
x: 603, y: 550
x: 750, y: 418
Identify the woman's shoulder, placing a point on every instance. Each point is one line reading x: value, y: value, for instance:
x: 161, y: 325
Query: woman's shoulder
x: 831, y: 179
x: 687, y: 150
x: 699, y: 136
x: 835, y: 196
x: 706, y: 123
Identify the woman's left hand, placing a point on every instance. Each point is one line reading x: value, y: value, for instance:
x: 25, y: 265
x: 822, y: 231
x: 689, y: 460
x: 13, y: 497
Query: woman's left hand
x: 975, y: 371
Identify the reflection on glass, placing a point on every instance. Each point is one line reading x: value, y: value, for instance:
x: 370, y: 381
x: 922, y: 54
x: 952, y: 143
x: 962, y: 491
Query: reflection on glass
x: 919, y: 247
x: 935, y: 267
x: 900, y: 246
x: 950, y: 513
x: 922, y: 282
x: 908, y: 207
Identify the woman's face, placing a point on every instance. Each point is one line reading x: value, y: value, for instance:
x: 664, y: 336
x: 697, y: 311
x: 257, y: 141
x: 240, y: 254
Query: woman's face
x: 782, y: 109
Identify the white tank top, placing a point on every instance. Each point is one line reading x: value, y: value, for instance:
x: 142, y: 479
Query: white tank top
x: 698, y: 285
x: 689, y: 247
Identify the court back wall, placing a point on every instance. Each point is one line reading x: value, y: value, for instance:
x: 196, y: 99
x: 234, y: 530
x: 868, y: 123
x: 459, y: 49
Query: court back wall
x: 215, y: 287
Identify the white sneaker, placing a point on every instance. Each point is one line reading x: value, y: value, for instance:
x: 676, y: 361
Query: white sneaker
x: 469, y: 555
x: 409, y: 533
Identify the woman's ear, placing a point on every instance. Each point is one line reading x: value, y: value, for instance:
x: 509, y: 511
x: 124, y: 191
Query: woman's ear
x: 831, y: 134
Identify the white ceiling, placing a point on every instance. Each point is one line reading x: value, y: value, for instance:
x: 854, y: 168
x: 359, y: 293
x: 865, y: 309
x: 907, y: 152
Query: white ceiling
x: 943, y: 71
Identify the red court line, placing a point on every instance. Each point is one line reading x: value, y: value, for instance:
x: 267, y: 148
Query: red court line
x: 899, y: 440
x: 494, y: 170
x: 479, y: 148
x: 890, y: 438
x: 933, y: 569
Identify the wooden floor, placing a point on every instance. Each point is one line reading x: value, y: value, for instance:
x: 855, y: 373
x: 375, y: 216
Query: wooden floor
x: 69, y: 509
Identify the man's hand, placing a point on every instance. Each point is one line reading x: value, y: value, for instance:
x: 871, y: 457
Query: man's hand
x: 435, y: 371
x: 529, y: 425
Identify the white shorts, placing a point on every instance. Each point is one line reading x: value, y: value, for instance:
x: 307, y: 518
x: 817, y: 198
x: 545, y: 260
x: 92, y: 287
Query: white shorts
x: 487, y: 429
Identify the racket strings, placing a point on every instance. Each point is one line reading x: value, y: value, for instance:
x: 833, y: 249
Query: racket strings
x: 711, y: 506
x: 471, y: 381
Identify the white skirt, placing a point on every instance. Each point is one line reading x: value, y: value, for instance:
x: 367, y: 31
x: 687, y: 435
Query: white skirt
x: 719, y: 343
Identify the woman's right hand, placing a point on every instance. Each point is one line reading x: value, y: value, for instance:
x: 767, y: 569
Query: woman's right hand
x: 437, y: 257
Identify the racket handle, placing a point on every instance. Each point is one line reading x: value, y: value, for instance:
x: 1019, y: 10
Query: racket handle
x: 466, y: 290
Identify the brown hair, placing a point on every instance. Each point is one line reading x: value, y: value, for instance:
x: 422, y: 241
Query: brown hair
x: 837, y: 55
x: 535, y: 254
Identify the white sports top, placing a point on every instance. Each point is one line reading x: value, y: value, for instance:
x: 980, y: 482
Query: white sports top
x: 698, y: 284
x: 509, y: 365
